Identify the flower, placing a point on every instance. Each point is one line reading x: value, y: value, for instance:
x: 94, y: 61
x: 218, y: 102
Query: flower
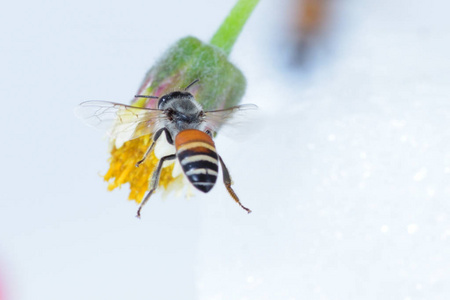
x: 220, y: 85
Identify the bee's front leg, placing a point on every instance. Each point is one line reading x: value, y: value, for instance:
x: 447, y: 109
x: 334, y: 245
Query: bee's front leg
x: 155, y: 138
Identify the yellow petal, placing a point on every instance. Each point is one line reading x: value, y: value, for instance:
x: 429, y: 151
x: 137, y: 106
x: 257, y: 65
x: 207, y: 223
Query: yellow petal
x: 123, y: 169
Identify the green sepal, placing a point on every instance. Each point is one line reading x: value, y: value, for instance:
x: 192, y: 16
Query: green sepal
x: 220, y: 85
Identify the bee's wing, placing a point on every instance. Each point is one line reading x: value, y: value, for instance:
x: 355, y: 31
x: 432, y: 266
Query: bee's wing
x: 216, y: 118
x: 119, y: 121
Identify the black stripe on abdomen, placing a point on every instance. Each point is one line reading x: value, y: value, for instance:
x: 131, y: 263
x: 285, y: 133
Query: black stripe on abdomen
x: 200, y: 168
x: 196, y: 151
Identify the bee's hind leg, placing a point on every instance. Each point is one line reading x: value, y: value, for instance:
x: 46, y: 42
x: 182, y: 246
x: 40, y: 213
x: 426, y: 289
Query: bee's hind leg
x: 227, y: 181
x: 154, y: 181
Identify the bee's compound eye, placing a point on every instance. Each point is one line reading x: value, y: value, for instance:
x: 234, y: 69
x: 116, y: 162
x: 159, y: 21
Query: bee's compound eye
x: 162, y: 101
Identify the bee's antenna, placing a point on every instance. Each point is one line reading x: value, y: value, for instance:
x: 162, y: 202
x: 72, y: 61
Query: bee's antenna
x: 192, y: 83
x: 145, y: 96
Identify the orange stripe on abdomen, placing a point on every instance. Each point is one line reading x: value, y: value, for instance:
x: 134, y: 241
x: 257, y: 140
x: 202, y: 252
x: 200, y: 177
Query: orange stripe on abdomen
x: 192, y: 135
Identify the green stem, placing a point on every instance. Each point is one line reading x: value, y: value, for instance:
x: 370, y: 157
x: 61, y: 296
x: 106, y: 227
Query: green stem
x: 228, y: 32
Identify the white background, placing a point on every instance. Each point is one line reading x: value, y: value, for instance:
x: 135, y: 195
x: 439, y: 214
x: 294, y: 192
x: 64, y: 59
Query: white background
x: 347, y: 176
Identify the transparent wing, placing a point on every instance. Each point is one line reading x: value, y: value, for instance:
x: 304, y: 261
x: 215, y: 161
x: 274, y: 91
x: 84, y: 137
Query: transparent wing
x: 234, y: 115
x: 120, y: 121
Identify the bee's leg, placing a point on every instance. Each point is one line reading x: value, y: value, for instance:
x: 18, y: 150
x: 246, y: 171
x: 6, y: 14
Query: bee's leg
x: 154, y: 181
x: 149, y: 149
x: 227, y: 181
x: 155, y: 138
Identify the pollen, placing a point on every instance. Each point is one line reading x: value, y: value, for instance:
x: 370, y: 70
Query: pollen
x: 123, y: 168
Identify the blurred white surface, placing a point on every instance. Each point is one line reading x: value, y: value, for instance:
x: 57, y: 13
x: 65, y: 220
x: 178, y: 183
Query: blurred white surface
x: 348, y: 178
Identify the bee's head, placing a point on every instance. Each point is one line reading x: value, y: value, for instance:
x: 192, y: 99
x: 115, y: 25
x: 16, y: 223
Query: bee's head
x: 180, y: 107
x: 164, y: 101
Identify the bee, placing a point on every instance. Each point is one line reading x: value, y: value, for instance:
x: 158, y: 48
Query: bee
x: 185, y: 125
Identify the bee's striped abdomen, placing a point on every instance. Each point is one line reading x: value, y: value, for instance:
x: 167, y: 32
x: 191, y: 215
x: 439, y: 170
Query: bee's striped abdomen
x: 198, y: 158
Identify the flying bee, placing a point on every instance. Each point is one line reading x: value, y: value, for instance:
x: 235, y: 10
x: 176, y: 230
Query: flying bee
x: 185, y: 125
